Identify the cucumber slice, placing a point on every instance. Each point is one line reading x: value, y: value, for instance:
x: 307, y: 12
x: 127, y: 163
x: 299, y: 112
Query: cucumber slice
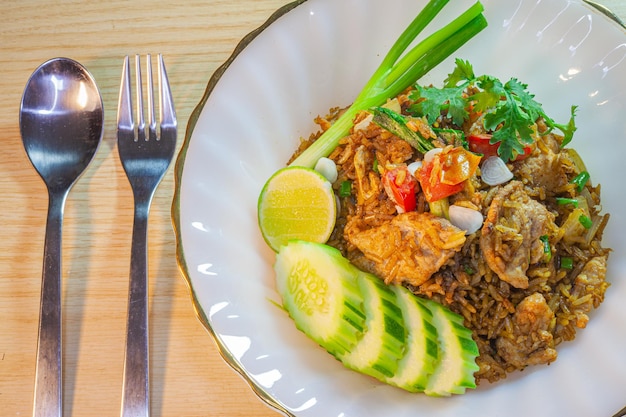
x: 382, y: 346
x: 320, y: 291
x: 422, y: 346
x: 458, y: 352
x: 379, y: 330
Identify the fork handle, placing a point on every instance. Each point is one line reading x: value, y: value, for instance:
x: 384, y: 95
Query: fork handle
x: 136, y: 392
x: 48, y: 379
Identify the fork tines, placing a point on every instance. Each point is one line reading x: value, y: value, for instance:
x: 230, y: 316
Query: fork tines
x: 126, y: 121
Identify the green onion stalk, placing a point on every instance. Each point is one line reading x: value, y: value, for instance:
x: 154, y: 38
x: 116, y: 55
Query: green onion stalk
x: 397, y: 71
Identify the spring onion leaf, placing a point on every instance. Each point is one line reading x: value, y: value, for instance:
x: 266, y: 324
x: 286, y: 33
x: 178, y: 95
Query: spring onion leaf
x: 345, y: 189
x: 400, y: 69
x: 567, y: 262
x: 564, y: 201
x: 547, y: 250
x: 580, y: 180
x: 585, y: 221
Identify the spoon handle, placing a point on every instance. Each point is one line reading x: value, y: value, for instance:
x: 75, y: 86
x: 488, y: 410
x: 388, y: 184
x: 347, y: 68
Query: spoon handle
x: 136, y: 392
x: 48, y: 377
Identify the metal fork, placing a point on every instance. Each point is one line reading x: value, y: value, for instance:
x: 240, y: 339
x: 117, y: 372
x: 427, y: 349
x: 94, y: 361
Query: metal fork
x: 145, y: 153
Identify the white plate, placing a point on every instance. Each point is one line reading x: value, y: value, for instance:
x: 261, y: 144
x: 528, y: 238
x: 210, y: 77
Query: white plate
x: 317, y: 54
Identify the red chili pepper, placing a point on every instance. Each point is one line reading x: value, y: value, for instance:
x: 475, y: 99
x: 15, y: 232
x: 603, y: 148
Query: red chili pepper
x: 481, y: 144
x: 401, y: 186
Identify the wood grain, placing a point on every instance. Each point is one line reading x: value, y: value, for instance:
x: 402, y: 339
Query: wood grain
x: 189, y: 377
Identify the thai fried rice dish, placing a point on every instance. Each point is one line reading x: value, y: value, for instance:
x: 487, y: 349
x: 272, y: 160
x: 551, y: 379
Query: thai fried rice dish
x: 512, y: 244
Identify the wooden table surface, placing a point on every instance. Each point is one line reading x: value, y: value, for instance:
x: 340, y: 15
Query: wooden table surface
x: 189, y: 377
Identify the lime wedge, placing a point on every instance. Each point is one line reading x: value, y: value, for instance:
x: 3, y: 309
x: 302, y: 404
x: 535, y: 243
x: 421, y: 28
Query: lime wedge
x: 296, y: 203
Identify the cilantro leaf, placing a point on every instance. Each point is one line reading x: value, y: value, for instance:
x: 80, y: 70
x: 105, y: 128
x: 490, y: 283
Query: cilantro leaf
x: 436, y: 100
x: 489, y: 95
x: 463, y: 72
x: 511, y: 127
x: 507, y: 148
x: 511, y: 123
x: 526, y: 100
x: 509, y: 110
x: 567, y: 129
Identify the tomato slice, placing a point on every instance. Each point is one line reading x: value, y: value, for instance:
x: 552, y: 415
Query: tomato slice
x: 528, y: 149
x: 432, y: 186
x: 445, y: 174
x: 457, y: 165
x: 481, y: 144
x: 400, y: 186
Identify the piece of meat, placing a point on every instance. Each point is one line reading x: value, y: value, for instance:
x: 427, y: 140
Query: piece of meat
x: 510, y: 235
x: 409, y: 248
x: 545, y: 171
x: 589, y: 285
x: 531, y: 342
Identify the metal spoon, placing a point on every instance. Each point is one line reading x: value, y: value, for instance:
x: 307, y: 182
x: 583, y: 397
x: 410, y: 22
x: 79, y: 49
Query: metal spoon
x: 61, y: 122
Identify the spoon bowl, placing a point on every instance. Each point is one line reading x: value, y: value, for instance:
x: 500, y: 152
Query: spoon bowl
x: 61, y: 120
x: 61, y: 123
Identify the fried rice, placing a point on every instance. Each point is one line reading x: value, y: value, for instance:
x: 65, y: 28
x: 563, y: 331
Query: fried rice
x: 515, y: 324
